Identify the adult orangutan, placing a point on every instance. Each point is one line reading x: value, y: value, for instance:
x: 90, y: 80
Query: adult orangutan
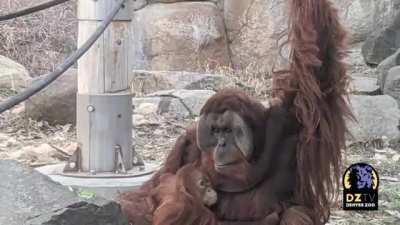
x: 278, y: 165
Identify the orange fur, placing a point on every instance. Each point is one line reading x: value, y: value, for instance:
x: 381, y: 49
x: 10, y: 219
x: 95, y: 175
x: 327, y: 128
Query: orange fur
x: 315, y: 86
x: 179, y: 201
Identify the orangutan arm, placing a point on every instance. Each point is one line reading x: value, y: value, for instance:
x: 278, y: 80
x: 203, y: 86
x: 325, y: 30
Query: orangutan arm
x: 271, y: 219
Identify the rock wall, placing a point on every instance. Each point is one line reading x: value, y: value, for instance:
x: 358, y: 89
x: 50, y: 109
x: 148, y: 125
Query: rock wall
x: 203, y: 35
x: 183, y: 36
x: 361, y: 17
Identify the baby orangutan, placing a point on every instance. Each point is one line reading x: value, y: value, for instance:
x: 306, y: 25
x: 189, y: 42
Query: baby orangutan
x: 182, y: 199
x: 179, y: 199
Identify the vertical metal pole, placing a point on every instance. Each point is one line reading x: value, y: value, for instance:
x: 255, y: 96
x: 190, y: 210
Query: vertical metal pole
x: 104, y: 104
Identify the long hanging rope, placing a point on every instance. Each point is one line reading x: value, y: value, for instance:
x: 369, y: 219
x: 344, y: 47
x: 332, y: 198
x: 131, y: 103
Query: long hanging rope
x: 49, y: 78
x: 33, y: 9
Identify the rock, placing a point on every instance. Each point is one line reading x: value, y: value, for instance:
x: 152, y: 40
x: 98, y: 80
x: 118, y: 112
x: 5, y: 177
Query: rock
x: 57, y: 103
x: 384, y: 67
x: 37, y: 155
x: 30, y: 198
x: 396, y: 158
x: 182, y: 103
x: 12, y: 75
x: 26, y: 193
x: 83, y: 213
x: 146, y: 108
x: 176, y: 103
x: 7, y: 141
x: 382, y: 43
x: 392, y: 83
x: 138, y: 120
x: 146, y: 101
x: 377, y: 116
x: 169, y: 1
x: 183, y: 36
x: 362, y: 17
x: 145, y: 82
x: 255, y: 26
x: 363, y: 85
x: 139, y: 4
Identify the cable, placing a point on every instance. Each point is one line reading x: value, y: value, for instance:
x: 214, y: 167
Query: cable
x: 42, y: 83
x: 33, y: 9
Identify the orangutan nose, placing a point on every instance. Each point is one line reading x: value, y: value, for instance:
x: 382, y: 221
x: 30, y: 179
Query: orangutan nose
x: 221, y: 142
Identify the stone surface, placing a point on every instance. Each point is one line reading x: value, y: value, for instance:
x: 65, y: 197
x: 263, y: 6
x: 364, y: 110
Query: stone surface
x: 176, y: 103
x: 57, y: 103
x: 254, y: 26
x: 183, y: 36
x: 392, y: 83
x: 30, y: 198
x: 83, y: 213
x: 382, y: 43
x: 139, y: 4
x: 377, y: 116
x: 361, y: 17
x: 145, y: 82
x: 25, y: 193
x: 12, y: 75
x: 146, y: 108
x: 384, y: 67
x: 363, y: 85
x: 170, y: 1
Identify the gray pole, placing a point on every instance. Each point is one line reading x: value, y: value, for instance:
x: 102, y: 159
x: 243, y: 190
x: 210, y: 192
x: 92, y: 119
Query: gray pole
x: 104, y: 102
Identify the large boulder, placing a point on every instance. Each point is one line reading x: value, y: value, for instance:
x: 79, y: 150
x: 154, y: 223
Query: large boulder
x: 255, y: 26
x: 145, y: 82
x: 26, y: 193
x: 361, y: 17
x: 382, y: 43
x: 183, y: 36
x: 377, y: 116
x: 30, y: 198
x: 175, y: 103
x: 363, y: 85
x: 12, y: 75
x: 384, y: 67
x: 392, y: 83
x: 83, y: 213
x: 57, y: 103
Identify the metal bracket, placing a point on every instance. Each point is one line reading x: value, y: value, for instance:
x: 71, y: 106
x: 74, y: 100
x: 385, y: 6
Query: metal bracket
x: 74, y: 162
x: 72, y: 168
x: 98, y: 10
x: 119, y: 163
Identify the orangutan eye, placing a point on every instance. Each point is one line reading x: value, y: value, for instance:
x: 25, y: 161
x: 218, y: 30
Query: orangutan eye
x: 227, y: 130
x: 202, y: 183
x: 214, y: 130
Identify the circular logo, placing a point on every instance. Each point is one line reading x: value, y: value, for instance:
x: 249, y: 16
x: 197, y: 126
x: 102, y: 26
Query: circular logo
x: 360, y: 187
x: 360, y: 176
